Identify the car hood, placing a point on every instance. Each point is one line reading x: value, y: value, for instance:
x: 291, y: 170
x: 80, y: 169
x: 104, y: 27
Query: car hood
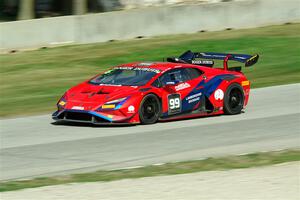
x: 98, y: 94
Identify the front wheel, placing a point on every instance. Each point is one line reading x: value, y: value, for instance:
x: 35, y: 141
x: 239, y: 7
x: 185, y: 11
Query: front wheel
x: 149, y: 110
x: 234, y: 99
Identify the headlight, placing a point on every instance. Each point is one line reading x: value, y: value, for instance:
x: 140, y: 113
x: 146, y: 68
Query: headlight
x: 62, y: 103
x: 114, y: 104
x: 116, y: 101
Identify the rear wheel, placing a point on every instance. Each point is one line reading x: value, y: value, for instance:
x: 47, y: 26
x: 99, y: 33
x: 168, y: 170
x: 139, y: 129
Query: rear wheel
x: 149, y: 110
x: 234, y: 99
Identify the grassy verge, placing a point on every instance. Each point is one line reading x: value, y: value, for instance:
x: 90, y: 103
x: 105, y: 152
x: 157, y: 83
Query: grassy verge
x: 224, y: 163
x: 31, y: 82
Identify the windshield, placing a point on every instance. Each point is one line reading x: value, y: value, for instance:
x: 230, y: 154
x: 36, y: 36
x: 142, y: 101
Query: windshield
x: 127, y: 76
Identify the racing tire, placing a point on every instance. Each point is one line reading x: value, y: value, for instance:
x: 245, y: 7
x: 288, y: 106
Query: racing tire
x: 150, y: 109
x: 234, y: 99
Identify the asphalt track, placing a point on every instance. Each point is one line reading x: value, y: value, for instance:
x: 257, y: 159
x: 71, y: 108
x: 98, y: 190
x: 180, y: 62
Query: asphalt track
x: 33, y: 146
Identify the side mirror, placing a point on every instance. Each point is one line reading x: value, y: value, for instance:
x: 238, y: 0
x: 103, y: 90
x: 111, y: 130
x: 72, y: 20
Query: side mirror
x: 169, y: 85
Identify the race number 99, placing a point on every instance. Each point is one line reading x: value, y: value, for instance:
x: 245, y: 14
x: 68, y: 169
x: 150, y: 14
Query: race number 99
x: 174, y: 103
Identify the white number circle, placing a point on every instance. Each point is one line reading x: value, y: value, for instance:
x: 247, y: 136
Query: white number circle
x: 219, y: 94
x: 131, y: 109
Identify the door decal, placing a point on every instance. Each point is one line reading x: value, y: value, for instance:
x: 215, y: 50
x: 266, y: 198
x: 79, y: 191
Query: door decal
x: 174, y: 104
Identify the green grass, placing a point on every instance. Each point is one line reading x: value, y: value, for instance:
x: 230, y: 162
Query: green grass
x: 32, y: 81
x: 224, y: 163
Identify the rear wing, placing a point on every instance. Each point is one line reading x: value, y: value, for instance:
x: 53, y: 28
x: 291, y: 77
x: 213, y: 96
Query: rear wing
x: 189, y: 57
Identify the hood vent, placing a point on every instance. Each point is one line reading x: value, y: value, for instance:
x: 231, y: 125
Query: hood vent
x: 101, y: 91
x: 86, y: 91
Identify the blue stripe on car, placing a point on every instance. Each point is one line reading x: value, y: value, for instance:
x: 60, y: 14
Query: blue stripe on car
x: 205, y: 88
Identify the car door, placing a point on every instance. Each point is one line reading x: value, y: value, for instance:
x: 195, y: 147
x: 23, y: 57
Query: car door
x: 176, y: 85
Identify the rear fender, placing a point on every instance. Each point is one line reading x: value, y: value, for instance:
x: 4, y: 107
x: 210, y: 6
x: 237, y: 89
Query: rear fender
x: 216, y: 97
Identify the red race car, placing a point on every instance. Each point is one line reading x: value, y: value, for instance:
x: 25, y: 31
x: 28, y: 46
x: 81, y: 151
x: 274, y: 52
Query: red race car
x: 147, y: 92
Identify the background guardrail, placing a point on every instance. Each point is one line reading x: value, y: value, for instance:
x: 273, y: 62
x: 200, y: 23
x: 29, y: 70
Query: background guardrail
x: 128, y: 24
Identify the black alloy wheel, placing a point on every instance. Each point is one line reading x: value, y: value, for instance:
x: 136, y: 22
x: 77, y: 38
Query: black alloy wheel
x: 234, y: 99
x: 149, y: 110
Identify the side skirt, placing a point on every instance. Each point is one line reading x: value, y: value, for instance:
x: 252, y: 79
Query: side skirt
x: 190, y: 115
x: 205, y: 109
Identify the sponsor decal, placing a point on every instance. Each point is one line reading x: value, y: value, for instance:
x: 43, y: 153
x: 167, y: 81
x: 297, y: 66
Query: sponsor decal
x: 108, y: 106
x: 140, y: 69
x: 182, y: 86
x: 193, y: 98
x: 124, y: 67
x: 219, y: 94
x: 245, y: 83
x: 110, y: 116
x: 78, y: 108
x: 146, y: 69
x: 203, y: 62
x: 131, y: 109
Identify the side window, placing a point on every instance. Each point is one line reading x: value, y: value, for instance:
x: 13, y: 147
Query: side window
x: 193, y: 72
x: 156, y: 83
x: 175, y: 76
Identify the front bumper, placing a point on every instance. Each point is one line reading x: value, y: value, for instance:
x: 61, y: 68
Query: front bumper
x: 89, y: 117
